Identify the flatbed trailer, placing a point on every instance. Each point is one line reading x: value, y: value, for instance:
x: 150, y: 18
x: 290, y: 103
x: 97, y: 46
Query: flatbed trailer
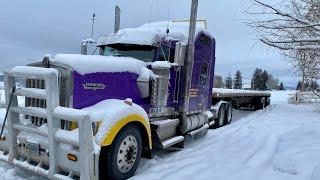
x: 225, y: 100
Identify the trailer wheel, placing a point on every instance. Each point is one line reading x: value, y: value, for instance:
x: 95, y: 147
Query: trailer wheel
x: 259, y: 103
x: 268, y: 102
x: 123, y: 156
x: 219, y: 122
x: 228, y: 113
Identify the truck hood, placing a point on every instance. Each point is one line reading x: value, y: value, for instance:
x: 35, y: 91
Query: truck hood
x: 88, y: 64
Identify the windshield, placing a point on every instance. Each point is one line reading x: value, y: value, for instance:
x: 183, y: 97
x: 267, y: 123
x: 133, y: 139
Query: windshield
x: 144, y: 53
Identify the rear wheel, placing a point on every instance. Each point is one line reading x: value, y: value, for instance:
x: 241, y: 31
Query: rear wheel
x: 259, y: 103
x: 228, y: 113
x: 219, y: 122
x: 268, y: 102
x: 123, y: 156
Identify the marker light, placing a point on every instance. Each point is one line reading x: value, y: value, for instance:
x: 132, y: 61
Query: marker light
x: 72, y: 157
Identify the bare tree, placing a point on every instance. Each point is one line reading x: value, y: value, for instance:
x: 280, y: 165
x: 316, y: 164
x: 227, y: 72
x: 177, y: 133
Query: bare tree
x: 292, y: 26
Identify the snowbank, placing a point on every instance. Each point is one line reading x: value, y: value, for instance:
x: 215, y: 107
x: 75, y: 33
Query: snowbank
x: 278, y: 97
x: 149, y: 34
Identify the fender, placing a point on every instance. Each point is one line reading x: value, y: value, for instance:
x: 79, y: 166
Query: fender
x: 114, y: 114
x: 115, y: 129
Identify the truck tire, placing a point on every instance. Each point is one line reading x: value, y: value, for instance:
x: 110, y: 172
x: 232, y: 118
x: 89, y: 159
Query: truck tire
x: 228, y: 113
x: 123, y: 156
x: 219, y: 122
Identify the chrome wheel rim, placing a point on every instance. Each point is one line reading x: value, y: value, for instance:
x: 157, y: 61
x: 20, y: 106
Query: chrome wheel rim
x: 127, y: 154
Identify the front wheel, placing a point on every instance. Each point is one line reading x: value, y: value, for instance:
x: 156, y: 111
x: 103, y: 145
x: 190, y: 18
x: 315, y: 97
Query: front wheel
x: 123, y: 155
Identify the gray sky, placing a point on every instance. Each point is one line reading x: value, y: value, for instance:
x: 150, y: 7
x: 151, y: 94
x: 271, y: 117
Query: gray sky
x: 30, y: 29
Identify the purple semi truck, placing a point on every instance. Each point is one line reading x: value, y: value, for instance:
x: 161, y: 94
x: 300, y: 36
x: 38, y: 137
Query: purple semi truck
x: 94, y: 116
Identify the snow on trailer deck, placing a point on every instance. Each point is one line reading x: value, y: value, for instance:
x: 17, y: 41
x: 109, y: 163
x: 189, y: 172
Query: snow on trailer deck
x: 219, y: 92
x: 280, y: 142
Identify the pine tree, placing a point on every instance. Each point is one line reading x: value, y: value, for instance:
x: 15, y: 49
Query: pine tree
x: 314, y: 85
x: 237, y: 80
x: 281, y: 87
x: 257, y: 80
x: 264, y: 80
x: 229, y: 82
x: 299, y: 85
x: 218, y: 82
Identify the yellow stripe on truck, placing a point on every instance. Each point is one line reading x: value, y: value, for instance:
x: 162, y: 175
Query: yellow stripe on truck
x: 109, y: 137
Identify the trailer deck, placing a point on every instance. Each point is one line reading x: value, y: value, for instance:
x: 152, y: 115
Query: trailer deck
x: 224, y: 93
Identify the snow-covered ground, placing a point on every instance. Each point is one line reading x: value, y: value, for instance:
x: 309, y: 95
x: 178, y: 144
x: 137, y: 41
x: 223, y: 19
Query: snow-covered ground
x: 281, y: 142
x: 278, y: 143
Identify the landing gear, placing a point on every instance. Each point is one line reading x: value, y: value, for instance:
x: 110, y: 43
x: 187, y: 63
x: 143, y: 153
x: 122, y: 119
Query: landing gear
x: 122, y: 158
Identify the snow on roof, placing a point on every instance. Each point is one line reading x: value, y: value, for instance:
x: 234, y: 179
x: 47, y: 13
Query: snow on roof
x: 86, y: 64
x: 149, y: 34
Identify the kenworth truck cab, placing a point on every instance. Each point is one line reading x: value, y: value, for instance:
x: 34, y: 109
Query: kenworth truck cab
x: 95, y: 116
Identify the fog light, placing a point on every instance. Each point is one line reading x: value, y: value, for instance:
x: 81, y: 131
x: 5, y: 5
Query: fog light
x: 72, y: 157
x: 2, y: 138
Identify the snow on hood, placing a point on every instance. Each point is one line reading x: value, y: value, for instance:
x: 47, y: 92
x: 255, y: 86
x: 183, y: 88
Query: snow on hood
x: 87, y: 64
x: 148, y: 34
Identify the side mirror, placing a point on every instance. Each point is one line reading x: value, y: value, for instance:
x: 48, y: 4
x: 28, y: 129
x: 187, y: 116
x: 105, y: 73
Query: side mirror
x: 180, y: 53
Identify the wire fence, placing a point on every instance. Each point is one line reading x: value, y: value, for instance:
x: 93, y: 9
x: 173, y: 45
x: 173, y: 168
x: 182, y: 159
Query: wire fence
x: 304, y: 97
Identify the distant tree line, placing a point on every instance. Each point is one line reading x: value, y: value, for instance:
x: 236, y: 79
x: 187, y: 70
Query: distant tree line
x: 261, y: 80
x: 308, y: 86
x: 229, y: 82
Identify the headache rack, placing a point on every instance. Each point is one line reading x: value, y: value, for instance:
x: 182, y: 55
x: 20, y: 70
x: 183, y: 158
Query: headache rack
x: 51, y: 159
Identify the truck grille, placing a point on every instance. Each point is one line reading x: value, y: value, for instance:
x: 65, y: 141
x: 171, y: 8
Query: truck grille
x: 33, y: 102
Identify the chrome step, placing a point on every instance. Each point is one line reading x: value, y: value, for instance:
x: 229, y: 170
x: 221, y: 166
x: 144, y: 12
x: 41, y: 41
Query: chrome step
x: 212, y: 123
x: 172, y: 141
x: 199, y: 132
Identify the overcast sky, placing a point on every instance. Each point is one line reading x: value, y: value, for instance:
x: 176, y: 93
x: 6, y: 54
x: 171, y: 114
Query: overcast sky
x: 30, y: 29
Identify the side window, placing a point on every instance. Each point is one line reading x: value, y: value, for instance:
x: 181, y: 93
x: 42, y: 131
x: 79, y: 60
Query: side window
x: 203, y: 74
x: 166, y: 53
x: 205, y: 40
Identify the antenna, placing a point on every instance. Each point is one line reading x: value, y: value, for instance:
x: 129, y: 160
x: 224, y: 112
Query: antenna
x: 150, y: 15
x: 117, y: 19
x: 169, y: 6
x: 93, y: 19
